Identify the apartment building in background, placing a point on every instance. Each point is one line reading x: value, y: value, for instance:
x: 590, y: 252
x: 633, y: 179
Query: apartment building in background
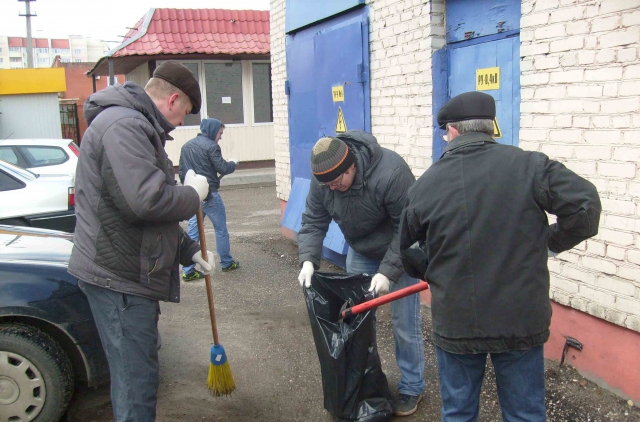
x: 74, y: 49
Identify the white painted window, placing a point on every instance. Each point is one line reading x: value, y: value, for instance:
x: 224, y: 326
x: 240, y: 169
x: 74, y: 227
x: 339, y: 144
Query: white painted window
x: 235, y: 92
x: 261, y: 81
x: 15, y: 49
x: 15, y: 59
x: 77, y: 51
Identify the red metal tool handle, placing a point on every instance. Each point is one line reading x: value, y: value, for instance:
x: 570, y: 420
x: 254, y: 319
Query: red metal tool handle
x: 374, y: 303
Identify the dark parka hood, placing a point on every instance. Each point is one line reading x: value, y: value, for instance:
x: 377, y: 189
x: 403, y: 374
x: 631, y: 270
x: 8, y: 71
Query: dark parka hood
x: 210, y: 128
x: 367, y: 151
x: 129, y: 95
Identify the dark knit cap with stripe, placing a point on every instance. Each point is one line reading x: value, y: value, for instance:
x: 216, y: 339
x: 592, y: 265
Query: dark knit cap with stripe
x: 330, y: 157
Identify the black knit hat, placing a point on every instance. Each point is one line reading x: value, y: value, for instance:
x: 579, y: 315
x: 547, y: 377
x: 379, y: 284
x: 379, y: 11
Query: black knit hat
x: 330, y: 157
x: 468, y: 106
x: 181, y: 77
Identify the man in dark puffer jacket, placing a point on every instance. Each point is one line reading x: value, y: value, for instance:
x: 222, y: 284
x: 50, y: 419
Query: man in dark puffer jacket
x: 363, y: 187
x: 128, y: 242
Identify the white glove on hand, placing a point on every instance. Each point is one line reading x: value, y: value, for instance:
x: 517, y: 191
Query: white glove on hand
x: 203, y: 266
x: 306, y: 273
x: 235, y: 160
x: 198, y: 182
x: 379, y: 284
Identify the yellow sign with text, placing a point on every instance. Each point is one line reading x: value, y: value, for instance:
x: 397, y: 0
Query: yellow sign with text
x: 341, y: 124
x: 487, y: 79
x: 338, y: 93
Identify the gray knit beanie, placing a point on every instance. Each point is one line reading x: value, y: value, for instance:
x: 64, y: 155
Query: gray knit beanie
x: 330, y: 157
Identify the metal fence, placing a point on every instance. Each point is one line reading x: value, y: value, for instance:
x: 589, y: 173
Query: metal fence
x: 69, y: 121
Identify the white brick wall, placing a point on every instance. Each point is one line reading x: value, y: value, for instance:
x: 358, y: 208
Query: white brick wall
x: 581, y: 105
x: 403, y: 36
x: 280, y: 100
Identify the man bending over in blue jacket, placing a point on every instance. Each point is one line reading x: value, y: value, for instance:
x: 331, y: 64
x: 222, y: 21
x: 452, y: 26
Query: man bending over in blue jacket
x: 202, y: 154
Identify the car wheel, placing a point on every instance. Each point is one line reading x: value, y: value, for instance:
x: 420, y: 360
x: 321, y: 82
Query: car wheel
x: 36, y: 376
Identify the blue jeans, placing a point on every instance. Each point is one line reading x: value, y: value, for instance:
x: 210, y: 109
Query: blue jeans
x: 128, y: 328
x: 407, y: 326
x: 519, y: 377
x: 213, y: 207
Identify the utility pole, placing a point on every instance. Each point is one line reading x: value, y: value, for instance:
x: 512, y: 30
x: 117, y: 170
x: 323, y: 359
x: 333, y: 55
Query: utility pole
x: 29, y: 41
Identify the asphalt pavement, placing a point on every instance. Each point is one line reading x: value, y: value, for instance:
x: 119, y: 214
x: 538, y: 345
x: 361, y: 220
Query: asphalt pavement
x: 264, y: 327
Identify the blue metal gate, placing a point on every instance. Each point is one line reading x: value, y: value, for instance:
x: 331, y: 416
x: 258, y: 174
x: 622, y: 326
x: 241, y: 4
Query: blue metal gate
x: 482, y: 53
x: 328, y: 88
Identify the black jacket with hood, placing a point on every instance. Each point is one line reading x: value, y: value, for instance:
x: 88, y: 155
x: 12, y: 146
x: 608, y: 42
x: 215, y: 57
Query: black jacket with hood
x: 128, y: 206
x: 368, y: 213
x: 203, y: 155
x: 480, y: 213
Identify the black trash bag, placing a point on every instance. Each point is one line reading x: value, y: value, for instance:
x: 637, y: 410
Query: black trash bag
x: 354, y: 386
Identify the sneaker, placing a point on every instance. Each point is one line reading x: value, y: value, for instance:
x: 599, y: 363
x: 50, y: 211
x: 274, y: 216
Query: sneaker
x: 192, y: 276
x: 407, y: 405
x: 234, y: 266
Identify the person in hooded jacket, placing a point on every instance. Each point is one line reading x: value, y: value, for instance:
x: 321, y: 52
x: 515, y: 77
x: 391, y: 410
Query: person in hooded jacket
x: 128, y: 242
x: 203, y: 155
x: 363, y: 187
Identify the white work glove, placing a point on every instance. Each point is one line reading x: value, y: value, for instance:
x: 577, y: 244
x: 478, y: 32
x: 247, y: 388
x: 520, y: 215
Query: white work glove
x: 235, y: 160
x: 379, y: 284
x: 306, y: 273
x: 198, y: 182
x: 203, y: 266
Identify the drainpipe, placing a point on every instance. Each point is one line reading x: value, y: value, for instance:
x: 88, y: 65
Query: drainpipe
x: 93, y: 80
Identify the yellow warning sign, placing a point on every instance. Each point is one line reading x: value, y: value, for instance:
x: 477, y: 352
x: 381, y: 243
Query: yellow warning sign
x: 341, y: 124
x: 338, y: 93
x: 487, y: 79
x: 497, y: 133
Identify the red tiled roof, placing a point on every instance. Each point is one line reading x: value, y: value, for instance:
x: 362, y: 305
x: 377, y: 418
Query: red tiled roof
x: 204, y: 31
x: 60, y: 44
x: 22, y: 42
x: 15, y: 42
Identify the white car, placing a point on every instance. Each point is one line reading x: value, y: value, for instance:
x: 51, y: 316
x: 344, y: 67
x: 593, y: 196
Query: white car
x: 41, y: 156
x: 38, y: 200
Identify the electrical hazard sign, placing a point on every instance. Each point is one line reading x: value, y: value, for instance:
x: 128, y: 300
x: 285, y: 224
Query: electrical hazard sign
x: 497, y: 133
x: 341, y: 124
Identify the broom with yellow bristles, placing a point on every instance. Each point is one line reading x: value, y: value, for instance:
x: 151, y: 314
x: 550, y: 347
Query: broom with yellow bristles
x: 220, y: 380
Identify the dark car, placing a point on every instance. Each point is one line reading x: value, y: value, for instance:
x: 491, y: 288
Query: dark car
x: 48, y: 339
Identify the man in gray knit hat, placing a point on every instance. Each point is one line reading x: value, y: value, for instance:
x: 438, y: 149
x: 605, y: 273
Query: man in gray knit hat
x: 363, y: 187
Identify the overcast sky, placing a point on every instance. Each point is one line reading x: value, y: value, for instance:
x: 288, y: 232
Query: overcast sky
x: 103, y: 20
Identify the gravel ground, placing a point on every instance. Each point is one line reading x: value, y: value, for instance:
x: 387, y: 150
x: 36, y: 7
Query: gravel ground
x: 263, y: 324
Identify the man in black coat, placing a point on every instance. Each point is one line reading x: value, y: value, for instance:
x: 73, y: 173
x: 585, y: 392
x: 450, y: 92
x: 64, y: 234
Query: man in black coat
x: 479, y: 215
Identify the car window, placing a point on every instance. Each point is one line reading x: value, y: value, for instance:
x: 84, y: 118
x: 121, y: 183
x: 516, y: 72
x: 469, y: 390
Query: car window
x: 38, y: 156
x: 9, y: 183
x: 7, y: 154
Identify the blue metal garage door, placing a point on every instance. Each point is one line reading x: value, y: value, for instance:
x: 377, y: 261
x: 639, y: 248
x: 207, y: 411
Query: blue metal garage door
x: 328, y: 87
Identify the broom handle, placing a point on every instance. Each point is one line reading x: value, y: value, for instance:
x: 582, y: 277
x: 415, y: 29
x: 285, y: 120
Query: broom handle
x: 207, y: 278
